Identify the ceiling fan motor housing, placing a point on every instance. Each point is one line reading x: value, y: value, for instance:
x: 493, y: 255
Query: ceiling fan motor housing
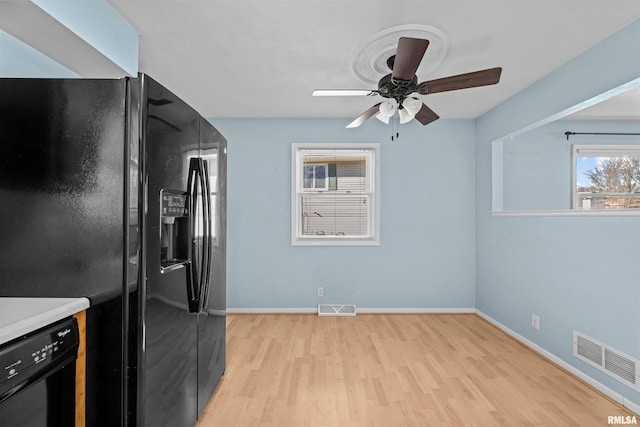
x: 396, y: 89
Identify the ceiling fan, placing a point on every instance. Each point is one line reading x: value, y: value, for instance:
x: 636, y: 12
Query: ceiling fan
x: 399, y: 86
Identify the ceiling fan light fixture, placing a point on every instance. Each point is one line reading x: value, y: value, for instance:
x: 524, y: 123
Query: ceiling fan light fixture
x: 412, y: 105
x: 383, y: 119
x: 387, y: 109
x: 405, y: 116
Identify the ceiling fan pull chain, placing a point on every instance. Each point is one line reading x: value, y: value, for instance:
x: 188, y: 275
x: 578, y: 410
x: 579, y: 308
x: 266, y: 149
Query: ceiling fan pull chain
x: 393, y: 124
x: 395, y: 128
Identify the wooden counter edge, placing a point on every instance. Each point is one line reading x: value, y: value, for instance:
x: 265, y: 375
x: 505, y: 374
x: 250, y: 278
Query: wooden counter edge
x: 81, y: 370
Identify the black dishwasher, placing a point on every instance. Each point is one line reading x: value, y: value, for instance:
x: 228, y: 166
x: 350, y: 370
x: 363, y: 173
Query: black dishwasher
x: 37, y: 387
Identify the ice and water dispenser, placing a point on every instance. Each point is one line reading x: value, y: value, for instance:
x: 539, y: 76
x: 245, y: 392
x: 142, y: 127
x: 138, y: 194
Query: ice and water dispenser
x: 174, y: 229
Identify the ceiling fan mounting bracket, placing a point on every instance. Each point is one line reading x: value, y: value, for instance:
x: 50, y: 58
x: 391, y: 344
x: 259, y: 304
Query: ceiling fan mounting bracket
x: 390, y: 61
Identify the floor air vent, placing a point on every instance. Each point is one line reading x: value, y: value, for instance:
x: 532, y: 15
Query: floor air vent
x: 336, y: 310
x: 620, y: 366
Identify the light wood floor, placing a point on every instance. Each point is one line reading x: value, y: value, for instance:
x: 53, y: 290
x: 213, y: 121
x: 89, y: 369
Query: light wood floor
x: 392, y: 370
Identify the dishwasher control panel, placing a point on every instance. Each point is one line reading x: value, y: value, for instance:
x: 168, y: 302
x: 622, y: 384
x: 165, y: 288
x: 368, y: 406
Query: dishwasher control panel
x: 36, y: 355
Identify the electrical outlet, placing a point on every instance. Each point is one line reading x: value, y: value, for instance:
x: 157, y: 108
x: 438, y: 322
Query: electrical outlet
x: 535, y: 321
x: 320, y: 292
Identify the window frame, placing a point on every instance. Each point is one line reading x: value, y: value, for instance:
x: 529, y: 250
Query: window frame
x: 297, y: 191
x: 599, y: 150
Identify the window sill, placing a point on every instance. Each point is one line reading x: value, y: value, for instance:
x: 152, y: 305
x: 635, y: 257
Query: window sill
x: 334, y: 242
x: 571, y: 212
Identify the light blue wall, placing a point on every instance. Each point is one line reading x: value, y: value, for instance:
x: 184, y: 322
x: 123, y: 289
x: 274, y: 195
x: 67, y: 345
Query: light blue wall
x: 574, y: 272
x: 426, y: 256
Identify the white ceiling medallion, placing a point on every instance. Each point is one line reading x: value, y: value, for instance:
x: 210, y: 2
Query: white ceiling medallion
x: 369, y: 59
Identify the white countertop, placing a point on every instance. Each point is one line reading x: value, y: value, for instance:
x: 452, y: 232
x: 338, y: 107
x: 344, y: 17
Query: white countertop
x: 19, y: 316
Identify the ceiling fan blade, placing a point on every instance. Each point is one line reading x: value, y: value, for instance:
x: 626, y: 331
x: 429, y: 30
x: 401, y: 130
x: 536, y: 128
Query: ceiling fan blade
x: 342, y: 92
x: 487, y: 77
x: 408, y: 56
x: 365, y: 116
x: 426, y: 115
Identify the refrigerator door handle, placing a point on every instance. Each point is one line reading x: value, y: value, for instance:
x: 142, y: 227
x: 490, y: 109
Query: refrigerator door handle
x: 193, y: 276
x: 208, y: 238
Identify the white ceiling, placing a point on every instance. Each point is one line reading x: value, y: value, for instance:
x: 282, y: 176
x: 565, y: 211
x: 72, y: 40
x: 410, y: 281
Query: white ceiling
x: 263, y: 58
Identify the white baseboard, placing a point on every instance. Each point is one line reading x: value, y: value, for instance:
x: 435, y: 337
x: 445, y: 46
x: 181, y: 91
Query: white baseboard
x: 363, y: 310
x: 231, y: 310
x: 617, y: 397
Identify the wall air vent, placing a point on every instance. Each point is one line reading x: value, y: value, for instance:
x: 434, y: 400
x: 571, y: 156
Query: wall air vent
x: 336, y: 310
x: 617, y: 364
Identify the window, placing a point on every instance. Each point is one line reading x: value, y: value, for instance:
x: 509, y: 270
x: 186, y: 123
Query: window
x: 315, y: 177
x: 335, y: 194
x: 606, y: 177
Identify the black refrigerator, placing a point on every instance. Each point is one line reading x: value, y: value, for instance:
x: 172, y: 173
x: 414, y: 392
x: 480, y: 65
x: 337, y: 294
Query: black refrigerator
x: 115, y: 190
